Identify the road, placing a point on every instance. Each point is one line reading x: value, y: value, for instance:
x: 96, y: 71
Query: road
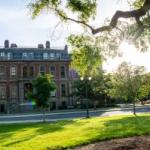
x: 70, y: 115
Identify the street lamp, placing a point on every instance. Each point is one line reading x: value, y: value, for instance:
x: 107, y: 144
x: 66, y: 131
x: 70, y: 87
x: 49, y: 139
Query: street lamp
x: 86, y: 92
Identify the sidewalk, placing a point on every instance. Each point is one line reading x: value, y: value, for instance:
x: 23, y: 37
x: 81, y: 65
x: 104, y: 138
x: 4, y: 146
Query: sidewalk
x: 70, y: 111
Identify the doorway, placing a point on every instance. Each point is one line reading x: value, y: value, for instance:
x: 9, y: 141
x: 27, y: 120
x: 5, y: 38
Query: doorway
x: 27, y: 88
x: 2, y: 108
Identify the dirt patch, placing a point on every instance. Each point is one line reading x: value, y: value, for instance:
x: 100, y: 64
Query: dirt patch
x: 131, y: 143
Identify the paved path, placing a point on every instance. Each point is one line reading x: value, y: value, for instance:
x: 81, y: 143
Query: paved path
x: 69, y: 115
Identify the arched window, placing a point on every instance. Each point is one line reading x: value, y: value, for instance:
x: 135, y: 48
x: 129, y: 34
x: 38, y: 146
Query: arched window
x: 62, y: 72
x: 25, y: 71
x: 53, y: 70
x: 31, y: 71
x: 27, y: 88
x: 42, y: 70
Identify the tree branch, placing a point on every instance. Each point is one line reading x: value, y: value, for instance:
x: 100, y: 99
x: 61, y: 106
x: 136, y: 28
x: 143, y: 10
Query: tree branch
x: 74, y: 20
x: 137, y: 14
x: 126, y: 14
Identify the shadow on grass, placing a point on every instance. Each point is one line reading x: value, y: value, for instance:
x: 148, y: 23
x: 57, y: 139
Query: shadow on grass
x: 103, y: 129
x: 6, y: 131
x: 10, y: 128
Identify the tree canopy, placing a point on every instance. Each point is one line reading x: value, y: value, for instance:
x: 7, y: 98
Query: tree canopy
x: 83, y: 11
x: 127, y: 82
x: 86, y: 56
x: 43, y: 86
x: 86, y: 9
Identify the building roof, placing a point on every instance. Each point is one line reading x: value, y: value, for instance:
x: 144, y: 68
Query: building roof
x: 27, y: 54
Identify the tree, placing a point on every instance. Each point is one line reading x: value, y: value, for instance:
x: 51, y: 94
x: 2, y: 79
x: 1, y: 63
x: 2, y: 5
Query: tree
x: 43, y: 86
x: 100, y: 86
x: 85, y: 10
x: 86, y: 56
x: 126, y: 82
x: 86, y: 60
x: 144, y: 90
x: 97, y: 89
x: 78, y: 87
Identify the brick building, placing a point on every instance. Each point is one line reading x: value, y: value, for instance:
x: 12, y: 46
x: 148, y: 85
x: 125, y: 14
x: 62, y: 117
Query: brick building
x: 19, y: 66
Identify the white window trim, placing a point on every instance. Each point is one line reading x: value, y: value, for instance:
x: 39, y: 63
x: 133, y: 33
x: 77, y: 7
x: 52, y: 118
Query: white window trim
x: 11, y: 71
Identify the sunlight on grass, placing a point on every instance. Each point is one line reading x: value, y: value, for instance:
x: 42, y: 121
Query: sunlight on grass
x: 65, y: 134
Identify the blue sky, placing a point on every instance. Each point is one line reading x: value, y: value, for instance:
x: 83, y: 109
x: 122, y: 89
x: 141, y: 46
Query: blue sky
x: 17, y: 26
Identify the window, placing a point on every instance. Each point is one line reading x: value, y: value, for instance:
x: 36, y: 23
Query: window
x: 30, y: 55
x: 2, y: 91
x: 8, y: 56
x: 25, y: 72
x: 53, y: 93
x: 52, y: 70
x: 45, y: 55
x: 13, y: 91
x: 42, y: 70
x: 62, y: 72
x: 13, y: 71
x: 58, y: 55
x: 63, y: 90
x: 2, y: 71
x: 24, y: 55
x: 2, y: 54
x: 31, y: 71
x: 52, y: 55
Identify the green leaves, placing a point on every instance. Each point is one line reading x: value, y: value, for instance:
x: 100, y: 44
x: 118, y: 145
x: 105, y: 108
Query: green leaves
x: 137, y: 3
x: 43, y: 85
x: 126, y: 82
x: 86, y: 56
x: 144, y: 90
x: 84, y: 8
x: 39, y: 5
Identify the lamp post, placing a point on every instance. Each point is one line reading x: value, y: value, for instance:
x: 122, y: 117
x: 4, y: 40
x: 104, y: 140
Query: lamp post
x: 86, y: 93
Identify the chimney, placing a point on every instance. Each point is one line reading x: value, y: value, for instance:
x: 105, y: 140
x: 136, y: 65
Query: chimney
x: 13, y: 45
x: 40, y: 46
x: 6, y: 44
x: 66, y: 48
x: 47, y: 44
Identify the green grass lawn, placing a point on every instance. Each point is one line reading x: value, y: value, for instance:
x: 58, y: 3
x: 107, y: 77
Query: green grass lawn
x: 66, y: 134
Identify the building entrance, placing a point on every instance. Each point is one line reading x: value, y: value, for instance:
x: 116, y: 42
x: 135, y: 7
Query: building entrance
x: 2, y: 108
x: 27, y: 88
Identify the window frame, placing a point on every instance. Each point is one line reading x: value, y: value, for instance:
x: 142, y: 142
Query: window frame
x: 3, y: 91
x: 14, y: 96
x: 63, y: 76
x: 23, y: 71
x: 11, y: 72
x: 63, y: 90
x: 42, y: 72
x: 52, y: 72
x: 2, y: 74
x: 30, y: 72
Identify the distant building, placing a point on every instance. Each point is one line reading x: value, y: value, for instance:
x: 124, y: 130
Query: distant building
x: 20, y: 66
